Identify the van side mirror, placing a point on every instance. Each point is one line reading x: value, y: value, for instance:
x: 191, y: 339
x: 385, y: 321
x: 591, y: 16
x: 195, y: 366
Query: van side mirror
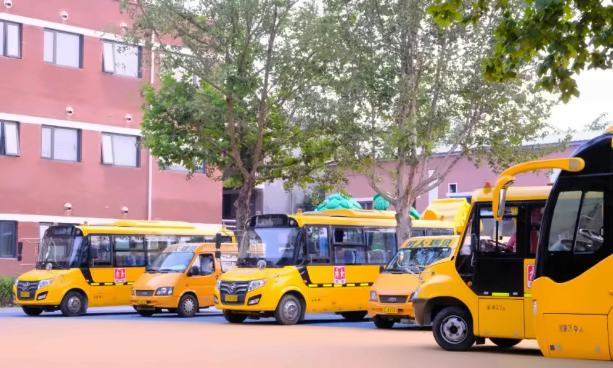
x: 93, y: 253
x: 19, y: 251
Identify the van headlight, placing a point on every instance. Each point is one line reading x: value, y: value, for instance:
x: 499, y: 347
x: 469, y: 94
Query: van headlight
x: 218, y: 284
x: 373, y: 296
x: 256, y: 284
x: 45, y: 282
x: 414, y: 294
x: 164, y: 291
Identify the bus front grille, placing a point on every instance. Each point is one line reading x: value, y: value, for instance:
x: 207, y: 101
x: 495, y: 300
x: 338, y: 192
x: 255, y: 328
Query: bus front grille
x: 26, y: 287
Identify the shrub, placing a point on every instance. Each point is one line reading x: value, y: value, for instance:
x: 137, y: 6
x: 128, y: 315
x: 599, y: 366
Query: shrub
x: 6, y: 291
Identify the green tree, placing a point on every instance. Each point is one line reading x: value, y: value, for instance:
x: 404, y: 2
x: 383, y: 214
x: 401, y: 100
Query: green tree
x: 407, y: 89
x: 239, y: 119
x: 563, y: 36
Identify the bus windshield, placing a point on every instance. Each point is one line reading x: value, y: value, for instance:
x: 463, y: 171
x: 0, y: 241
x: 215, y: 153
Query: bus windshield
x: 61, y: 248
x: 414, y: 260
x: 171, y: 262
x: 275, y: 246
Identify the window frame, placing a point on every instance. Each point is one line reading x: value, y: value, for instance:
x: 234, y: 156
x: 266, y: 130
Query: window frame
x: 52, y: 143
x: 3, y: 138
x: 3, y: 52
x: 114, y: 72
x: 81, y: 47
x: 12, y: 248
x: 455, y: 190
x: 136, y: 148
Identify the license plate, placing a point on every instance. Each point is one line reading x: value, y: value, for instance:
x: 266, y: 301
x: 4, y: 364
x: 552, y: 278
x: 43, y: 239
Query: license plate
x: 390, y: 310
x: 231, y: 298
x: 24, y: 294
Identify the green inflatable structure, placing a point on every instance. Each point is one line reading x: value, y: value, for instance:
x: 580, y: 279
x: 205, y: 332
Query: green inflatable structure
x: 381, y: 204
x: 338, y: 201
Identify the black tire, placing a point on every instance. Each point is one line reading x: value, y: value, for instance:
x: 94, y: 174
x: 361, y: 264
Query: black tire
x: 290, y: 310
x: 145, y: 312
x: 188, y: 306
x: 73, y: 304
x: 234, y: 317
x: 453, y: 329
x: 382, y: 322
x: 354, y: 316
x: 505, y: 343
x: 32, y: 311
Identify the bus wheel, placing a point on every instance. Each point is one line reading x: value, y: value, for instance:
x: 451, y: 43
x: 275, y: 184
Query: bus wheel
x: 234, y: 317
x: 453, y: 329
x: 382, y: 322
x: 505, y: 343
x: 73, y: 304
x: 354, y: 316
x: 289, y: 310
x: 188, y: 306
x: 32, y: 311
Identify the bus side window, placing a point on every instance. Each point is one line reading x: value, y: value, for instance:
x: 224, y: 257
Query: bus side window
x: 102, y: 243
x: 349, y: 247
x: 129, y: 250
x: 380, y: 245
x: 318, y: 244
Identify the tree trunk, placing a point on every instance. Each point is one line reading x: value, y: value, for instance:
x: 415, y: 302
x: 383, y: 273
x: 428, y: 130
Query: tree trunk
x: 242, y: 209
x: 403, y: 221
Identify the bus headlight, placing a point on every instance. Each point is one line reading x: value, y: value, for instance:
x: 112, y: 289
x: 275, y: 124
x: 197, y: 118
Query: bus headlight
x: 45, y: 282
x: 373, y: 296
x: 256, y: 284
x: 164, y: 291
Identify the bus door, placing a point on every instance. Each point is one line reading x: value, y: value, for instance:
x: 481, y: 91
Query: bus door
x: 315, y: 265
x: 498, y: 270
x: 576, y: 256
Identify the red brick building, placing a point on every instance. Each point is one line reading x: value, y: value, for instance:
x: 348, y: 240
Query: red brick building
x: 70, y: 110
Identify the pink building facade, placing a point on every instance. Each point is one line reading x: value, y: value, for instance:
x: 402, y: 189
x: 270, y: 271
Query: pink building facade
x: 70, y: 114
x: 461, y: 180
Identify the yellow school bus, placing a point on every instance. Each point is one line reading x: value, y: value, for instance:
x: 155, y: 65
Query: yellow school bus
x: 81, y: 266
x: 182, y: 278
x: 390, y: 300
x: 484, y: 289
x: 312, y: 262
x: 573, y: 284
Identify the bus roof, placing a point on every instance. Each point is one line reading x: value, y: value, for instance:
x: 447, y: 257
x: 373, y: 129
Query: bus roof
x: 153, y: 228
x: 525, y: 193
x: 201, y: 247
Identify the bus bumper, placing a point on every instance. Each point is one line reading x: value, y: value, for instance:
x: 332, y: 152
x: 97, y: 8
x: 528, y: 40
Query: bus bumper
x: 43, y: 297
x: 154, y: 302
x: 391, y: 310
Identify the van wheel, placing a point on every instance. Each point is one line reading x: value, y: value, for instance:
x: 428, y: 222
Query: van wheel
x: 505, y: 343
x: 354, y: 316
x: 73, y: 304
x: 32, y: 311
x: 382, y: 322
x: 146, y: 312
x: 453, y: 329
x: 188, y: 306
x: 289, y: 311
x: 234, y: 317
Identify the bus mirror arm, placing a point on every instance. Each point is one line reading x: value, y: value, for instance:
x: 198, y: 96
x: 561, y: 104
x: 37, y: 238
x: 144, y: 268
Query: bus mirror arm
x: 19, y: 251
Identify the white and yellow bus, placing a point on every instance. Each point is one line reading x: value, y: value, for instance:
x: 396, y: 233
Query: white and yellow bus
x: 313, y: 262
x: 81, y: 266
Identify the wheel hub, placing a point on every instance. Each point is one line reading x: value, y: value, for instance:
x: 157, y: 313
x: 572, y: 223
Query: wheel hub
x: 74, y: 304
x: 189, y: 305
x: 454, y: 329
x: 290, y: 310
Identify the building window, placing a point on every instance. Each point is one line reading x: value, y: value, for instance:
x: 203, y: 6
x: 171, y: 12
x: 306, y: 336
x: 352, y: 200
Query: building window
x: 452, y: 188
x: 9, y: 138
x: 10, y: 39
x: 62, y: 144
x: 120, y: 150
x: 121, y: 59
x: 8, y: 239
x: 182, y: 168
x: 65, y: 49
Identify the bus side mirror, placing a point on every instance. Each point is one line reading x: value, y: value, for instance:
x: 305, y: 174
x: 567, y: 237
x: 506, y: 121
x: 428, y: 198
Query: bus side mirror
x: 217, y: 240
x: 19, y: 251
x: 93, y: 253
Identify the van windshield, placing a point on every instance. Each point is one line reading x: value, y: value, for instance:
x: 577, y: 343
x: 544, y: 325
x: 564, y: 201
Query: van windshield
x: 171, y: 262
x: 415, y: 259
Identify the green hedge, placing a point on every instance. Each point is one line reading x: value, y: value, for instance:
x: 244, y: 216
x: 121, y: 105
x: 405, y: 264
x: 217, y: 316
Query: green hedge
x: 6, y: 291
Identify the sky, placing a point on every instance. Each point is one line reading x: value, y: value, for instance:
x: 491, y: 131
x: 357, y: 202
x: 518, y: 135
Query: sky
x: 596, y: 97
